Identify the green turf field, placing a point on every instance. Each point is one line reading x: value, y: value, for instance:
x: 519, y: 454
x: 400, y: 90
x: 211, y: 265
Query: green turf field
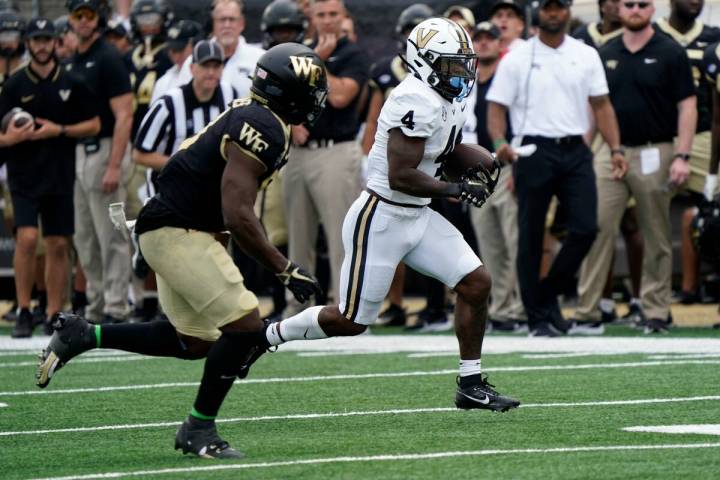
x: 333, y: 414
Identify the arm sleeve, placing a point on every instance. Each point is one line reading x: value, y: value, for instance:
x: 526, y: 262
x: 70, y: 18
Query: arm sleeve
x: 681, y: 76
x: 115, y: 75
x: 155, y: 127
x: 598, y: 81
x: 503, y: 88
x: 412, y: 113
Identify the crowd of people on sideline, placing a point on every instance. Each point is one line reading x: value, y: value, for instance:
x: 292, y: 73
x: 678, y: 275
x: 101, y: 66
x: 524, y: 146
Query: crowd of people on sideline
x: 597, y: 128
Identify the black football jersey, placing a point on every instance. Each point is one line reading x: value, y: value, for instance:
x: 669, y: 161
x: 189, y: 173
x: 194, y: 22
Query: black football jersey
x: 189, y: 193
x: 695, y: 42
x: 387, y: 74
x: 145, y: 67
x: 711, y: 63
x: 590, y: 34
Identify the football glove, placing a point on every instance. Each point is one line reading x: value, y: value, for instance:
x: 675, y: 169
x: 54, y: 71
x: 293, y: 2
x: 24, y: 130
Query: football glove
x: 299, y: 282
x: 478, y: 183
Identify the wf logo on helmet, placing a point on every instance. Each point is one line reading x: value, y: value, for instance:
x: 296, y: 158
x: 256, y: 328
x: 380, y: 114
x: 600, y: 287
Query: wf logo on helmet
x: 305, y: 68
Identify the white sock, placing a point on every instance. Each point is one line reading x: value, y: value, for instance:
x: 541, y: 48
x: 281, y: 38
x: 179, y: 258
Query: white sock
x: 303, y: 326
x: 607, y: 305
x: 469, y: 367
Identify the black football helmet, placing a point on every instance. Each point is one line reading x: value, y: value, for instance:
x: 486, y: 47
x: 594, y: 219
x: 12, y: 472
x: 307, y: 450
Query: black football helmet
x: 291, y: 79
x: 282, y: 13
x: 8, y: 6
x: 410, y: 18
x: 145, y: 7
x: 706, y: 231
x: 12, y: 26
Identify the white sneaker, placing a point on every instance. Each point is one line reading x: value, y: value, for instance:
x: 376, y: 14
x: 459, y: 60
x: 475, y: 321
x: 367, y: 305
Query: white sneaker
x: 587, y: 328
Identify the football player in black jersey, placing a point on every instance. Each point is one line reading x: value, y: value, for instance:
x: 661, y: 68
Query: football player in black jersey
x: 149, y: 60
x: 385, y: 75
x: 684, y: 27
x: 209, y: 186
x: 597, y: 34
x: 282, y: 21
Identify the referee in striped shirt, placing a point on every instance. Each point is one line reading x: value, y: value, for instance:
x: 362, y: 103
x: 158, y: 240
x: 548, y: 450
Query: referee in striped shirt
x: 184, y: 111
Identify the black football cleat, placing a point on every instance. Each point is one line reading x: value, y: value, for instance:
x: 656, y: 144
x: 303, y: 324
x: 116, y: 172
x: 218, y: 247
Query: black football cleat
x: 481, y: 394
x: 23, y: 324
x: 203, y: 440
x: 73, y: 335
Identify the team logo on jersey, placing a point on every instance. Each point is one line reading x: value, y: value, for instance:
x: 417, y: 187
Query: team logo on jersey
x: 423, y: 38
x: 252, y: 138
x: 305, y: 68
x: 611, y: 64
x: 64, y: 94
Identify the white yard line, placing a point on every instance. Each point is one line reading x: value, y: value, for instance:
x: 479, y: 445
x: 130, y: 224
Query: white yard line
x: 98, y: 359
x: 358, y: 376
x: 680, y: 356
x: 386, y: 458
x: 447, y: 343
x: 3, y: 405
x: 701, y: 429
x: 362, y: 413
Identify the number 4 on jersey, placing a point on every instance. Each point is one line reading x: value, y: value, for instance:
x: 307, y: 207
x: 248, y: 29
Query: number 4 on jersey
x: 407, y: 120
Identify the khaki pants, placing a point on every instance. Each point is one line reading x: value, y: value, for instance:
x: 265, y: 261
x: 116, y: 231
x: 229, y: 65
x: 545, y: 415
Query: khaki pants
x: 699, y: 162
x: 653, y: 208
x: 103, y: 250
x: 496, y: 229
x: 319, y: 185
x: 199, y: 286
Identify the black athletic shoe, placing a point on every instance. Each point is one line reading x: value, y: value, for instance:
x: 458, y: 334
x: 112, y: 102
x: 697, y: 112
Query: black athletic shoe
x: 608, y: 317
x: 481, y: 394
x: 635, y: 316
x: 23, y: 325
x: 203, y: 440
x: 655, y: 325
x: 558, y: 321
x: 73, y: 336
x: 392, y: 316
x: 544, y: 330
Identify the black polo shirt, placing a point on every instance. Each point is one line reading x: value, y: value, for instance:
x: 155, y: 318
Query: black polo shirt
x: 481, y: 104
x: 105, y: 74
x: 645, y: 88
x: 695, y: 41
x: 349, y: 61
x: 44, y: 167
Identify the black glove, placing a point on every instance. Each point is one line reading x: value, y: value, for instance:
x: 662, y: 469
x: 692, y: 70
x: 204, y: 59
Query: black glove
x: 299, y: 282
x: 478, y: 183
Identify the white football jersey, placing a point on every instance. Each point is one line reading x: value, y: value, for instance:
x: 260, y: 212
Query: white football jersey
x: 419, y: 111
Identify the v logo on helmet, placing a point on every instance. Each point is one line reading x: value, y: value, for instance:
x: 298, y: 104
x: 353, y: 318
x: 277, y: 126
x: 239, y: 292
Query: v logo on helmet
x: 423, y: 38
x: 305, y: 68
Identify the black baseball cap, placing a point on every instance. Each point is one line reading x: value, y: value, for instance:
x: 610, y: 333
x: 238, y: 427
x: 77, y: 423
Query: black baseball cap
x: 40, y: 27
x: 486, y: 27
x: 180, y: 33
x: 511, y: 4
x: 207, y: 50
x: 564, y: 3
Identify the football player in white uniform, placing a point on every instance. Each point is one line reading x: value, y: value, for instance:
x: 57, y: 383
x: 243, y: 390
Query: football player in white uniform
x: 418, y: 129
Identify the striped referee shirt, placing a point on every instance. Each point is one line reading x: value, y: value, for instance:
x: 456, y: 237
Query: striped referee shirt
x: 178, y: 115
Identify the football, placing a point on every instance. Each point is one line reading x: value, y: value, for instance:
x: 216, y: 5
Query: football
x: 464, y: 156
x: 18, y: 116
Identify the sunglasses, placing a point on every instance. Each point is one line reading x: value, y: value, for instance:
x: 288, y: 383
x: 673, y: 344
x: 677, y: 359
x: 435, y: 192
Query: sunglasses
x: 86, y: 14
x: 640, y: 5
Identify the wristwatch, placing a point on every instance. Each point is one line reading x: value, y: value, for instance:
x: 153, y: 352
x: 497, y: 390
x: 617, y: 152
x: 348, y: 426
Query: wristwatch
x: 621, y: 151
x: 684, y: 156
x: 62, y: 131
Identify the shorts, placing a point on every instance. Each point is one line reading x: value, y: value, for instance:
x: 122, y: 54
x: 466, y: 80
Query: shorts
x: 199, y: 287
x: 57, y: 213
x: 377, y: 236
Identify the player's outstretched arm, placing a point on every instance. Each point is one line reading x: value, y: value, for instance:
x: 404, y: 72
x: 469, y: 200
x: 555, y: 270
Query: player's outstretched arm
x: 404, y: 155
x: 239, y: 189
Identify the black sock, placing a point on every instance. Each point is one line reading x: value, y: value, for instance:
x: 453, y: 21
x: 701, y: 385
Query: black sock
x: 224, y: 360
x: 42, y: 300
x: 158, y: 339
x: 79, y: 300
x: 470, y: 380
